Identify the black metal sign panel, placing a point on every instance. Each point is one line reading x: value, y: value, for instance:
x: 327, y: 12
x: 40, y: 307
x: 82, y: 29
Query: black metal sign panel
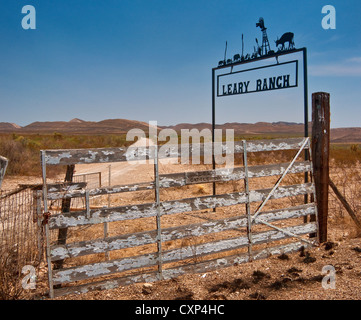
x: 272, y: 77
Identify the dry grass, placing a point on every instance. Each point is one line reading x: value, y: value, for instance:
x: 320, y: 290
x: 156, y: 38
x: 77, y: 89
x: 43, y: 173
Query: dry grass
x: 11, y: 288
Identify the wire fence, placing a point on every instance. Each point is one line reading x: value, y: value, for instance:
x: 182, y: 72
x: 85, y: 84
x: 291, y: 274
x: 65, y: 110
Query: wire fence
x: 92, y: 179
x: 347, y: 178
x: 19, y: 229
x: 21, y: 234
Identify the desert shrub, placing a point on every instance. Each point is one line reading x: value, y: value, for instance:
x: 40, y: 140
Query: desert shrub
x: 345, y: 155
x: 354, y: 147
x: 19, y: 156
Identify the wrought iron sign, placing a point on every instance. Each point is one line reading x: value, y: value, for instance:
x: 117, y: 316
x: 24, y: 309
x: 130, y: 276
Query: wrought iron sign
x: 263, y: 50
x: 276, y: 76
x: 270, y: 77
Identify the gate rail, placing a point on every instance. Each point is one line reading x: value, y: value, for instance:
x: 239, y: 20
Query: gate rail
x: 174, y: 262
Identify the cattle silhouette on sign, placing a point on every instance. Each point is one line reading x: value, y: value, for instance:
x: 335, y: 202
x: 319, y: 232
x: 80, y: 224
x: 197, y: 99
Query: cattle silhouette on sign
x: 263, y: 49
x: 286, y: 37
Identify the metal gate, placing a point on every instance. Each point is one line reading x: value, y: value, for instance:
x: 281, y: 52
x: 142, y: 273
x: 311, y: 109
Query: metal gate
x: 187, y: 236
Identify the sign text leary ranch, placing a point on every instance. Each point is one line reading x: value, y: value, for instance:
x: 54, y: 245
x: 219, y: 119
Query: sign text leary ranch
x: 265, y: 78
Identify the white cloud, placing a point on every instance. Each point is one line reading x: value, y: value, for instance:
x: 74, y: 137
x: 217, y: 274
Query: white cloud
x: 354, y: 59
x: 348, y: 68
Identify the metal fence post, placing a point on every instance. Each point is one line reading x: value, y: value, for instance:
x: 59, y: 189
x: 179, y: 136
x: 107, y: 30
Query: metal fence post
x: 157, y: 200
x: 320, y: 156
x: 106, y: 227
x: 248, y: 205
x: 47, y: 231
x: 313, y: 197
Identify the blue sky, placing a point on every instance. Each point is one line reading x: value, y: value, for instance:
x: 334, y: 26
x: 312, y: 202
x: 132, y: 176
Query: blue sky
x: 151, y: 60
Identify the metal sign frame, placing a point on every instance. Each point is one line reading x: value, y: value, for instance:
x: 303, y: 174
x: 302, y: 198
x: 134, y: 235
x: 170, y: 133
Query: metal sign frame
x: 269, y: 56
x: 258, y: 68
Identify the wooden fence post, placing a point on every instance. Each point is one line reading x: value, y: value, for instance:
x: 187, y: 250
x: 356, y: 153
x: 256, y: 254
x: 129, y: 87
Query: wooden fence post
x: 320, y: 156
x: 65, y: 207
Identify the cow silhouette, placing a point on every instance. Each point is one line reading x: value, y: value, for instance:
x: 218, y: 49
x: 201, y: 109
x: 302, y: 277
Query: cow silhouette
x: 286, y: 37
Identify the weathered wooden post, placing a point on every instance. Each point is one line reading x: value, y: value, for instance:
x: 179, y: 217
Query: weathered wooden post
x: 320, y: 156
x: 65, y: 207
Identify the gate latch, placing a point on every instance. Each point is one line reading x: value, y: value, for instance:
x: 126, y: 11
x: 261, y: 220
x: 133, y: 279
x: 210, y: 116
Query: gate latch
x: 46, y: 216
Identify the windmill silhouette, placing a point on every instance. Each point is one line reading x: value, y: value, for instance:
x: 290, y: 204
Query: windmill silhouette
x: 265, y: 43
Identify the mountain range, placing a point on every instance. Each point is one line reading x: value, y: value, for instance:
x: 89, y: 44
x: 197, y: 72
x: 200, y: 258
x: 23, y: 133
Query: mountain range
x: 122, y: 126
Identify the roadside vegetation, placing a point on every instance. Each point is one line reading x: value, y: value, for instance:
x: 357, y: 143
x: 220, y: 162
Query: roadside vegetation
x: 23, y: 151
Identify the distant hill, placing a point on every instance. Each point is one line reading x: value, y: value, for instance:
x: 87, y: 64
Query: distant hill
x: 338, y: 135
x: 76, y: 120
x: 122, y: 126
x: 342, y: 135
x: 7, y: 126
x: 78, y: 126
x: 247, y: 128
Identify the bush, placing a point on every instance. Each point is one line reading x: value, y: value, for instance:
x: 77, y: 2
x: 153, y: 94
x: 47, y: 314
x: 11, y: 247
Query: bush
x: 345, y: 155
x: 20, y: 158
